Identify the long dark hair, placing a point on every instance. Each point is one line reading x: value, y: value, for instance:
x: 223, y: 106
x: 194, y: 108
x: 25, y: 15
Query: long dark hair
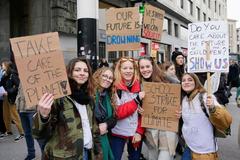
x: 10, y: 67
x: 198, y: 86
x: 157, y: 75
x: 73, y: 84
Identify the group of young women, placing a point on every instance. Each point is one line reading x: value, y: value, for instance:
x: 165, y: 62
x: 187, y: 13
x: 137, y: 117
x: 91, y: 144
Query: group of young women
x: 103, y: 113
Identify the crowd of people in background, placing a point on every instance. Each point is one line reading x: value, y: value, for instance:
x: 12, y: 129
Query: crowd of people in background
x: 104, y: 112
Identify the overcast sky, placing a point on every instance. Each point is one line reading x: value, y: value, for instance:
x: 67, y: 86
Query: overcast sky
x: 233, y: 12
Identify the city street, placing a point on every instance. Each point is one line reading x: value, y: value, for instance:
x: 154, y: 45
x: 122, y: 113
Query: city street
x: 228, y: 147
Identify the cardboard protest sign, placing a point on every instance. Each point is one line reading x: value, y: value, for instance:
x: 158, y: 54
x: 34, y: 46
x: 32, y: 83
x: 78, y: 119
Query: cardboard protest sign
x: 123, y: 29
x: 152, y: 22
x: 160, y: 104
x: 216, y: 34
x: 41, y: 67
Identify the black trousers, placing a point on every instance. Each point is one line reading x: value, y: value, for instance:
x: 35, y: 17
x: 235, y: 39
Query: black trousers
x: 2, y: 125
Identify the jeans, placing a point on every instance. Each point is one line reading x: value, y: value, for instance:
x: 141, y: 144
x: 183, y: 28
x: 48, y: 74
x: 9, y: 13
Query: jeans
x: 85, y: 154
x: 187, y: 154
x: 118, y: 144
x: 26, y: 118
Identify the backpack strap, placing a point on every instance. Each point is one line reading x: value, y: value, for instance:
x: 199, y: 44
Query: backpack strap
x: 119, y: 93
x: 203, y: 105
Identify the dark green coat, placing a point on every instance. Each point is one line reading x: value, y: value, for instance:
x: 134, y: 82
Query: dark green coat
x: 64, y: 131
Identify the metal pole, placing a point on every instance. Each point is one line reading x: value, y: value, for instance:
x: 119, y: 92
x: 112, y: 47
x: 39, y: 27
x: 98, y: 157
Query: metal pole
x: 87, y: 14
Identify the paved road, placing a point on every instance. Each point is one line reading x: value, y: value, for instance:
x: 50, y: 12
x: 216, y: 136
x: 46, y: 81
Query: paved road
x: 228, y: 147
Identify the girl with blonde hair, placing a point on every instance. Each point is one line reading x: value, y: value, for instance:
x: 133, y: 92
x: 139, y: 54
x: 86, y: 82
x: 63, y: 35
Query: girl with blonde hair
x: 127, y: 101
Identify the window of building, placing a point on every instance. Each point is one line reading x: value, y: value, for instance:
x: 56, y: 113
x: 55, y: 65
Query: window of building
x: 167, y: 25
x: 182, y: 3
x: 204, y: 17
x: 198, y: 14
x: 112, y: 57
x: 176, y: 30
x: 102, y: 50
x: 209, y: 4
x: 215, y: 6
x: 124, y: 53
x: 219, y: 9
x: 183, y: 33
x: 190, y: 7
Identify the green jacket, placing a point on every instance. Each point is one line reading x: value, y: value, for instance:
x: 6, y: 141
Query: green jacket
x: 64, y: 133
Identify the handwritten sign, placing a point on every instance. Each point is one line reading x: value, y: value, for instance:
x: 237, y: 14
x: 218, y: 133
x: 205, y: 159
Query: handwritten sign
x: 123, y: 29
x: 214, y: 32
x: 41, y: 66
x: 152, y: 22
x: 160, y: 104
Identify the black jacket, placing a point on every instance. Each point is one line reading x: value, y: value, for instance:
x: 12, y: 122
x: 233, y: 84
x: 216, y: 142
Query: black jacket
x: 10, y: 83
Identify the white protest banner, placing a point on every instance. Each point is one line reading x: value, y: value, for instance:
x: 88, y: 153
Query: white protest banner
x: 41, y: 67
x: 216, y: 34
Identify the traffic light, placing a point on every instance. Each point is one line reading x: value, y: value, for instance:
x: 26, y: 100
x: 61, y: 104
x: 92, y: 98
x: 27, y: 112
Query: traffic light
x: 141, y: 9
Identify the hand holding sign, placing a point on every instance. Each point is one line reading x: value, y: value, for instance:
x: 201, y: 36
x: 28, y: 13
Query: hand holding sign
x: 45, y: 104
x: 141, y: 95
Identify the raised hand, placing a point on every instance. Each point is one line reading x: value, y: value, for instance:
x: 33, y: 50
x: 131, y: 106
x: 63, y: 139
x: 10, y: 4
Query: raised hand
x: 45, y: 104
x: 210, y: 102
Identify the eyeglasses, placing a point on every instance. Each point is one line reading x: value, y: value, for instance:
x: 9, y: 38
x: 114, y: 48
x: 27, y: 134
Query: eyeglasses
x: 106, y: 77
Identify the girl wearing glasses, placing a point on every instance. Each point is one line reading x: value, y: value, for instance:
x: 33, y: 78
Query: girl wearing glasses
x: 68, y: 123
x: 103, y: 79
x: 161, y: 144
x: 127, y: 101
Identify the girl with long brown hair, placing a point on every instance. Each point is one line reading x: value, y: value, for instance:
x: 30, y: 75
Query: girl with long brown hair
x: 161, y: 144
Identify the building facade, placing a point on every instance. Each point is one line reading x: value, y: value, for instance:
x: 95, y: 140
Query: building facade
x: 27, y: 17
x: 238, y: 40
x: 232, y: 32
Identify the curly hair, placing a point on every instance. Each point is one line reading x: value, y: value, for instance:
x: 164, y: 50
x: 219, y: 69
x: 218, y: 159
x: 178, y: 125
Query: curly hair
x: 97, y: 77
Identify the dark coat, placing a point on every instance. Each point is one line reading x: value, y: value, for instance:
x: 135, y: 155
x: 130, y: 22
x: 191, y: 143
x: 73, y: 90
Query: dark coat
x: 221, y: 93
x: 10, y: 82
x: 233, y: 75
x: 63, y: 131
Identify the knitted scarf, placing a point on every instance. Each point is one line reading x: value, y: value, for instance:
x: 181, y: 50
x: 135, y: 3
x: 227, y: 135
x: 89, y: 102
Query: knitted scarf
x: 106, y: 102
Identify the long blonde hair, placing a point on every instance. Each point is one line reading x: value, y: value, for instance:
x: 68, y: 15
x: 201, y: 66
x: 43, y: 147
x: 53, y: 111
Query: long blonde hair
x: 117, y: 71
